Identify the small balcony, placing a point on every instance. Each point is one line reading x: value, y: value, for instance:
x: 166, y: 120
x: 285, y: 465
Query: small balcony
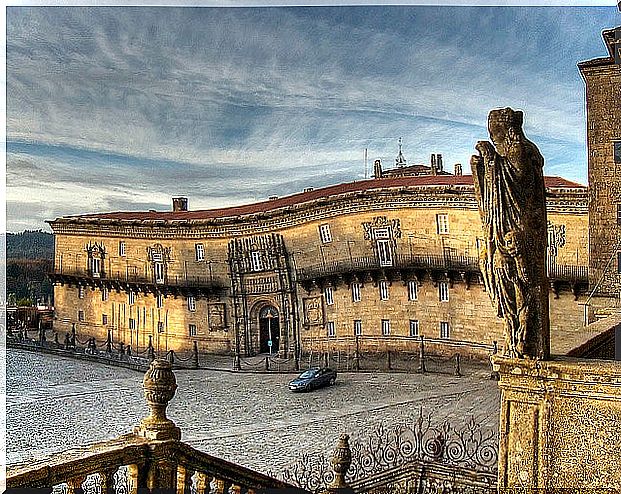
x: 191, y: 285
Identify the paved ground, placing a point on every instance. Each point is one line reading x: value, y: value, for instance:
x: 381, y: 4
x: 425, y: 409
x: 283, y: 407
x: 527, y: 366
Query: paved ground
x: 251, y: 419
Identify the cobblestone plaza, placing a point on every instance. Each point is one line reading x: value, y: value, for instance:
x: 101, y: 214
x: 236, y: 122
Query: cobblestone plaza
x: 54, y: 403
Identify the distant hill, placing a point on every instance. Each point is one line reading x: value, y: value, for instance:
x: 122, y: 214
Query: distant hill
x: 30, y: 245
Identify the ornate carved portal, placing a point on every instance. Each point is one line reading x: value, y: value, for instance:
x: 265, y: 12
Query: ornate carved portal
x: 264, y: 296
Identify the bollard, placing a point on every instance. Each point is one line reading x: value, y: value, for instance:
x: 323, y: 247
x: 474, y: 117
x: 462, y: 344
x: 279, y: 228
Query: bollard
x: 109, y: 342
x: 458, y: 365
x: 151, y: 354
x: 267, y: 363
x: 421, y: 356
x: 171, y: 356
x: 388, y: 361
x: 67, y: 341
x: 325, y: 359
x: 56, y: 339
x: 195, y: 350
x: 121, y: 348
x: 129, y: 351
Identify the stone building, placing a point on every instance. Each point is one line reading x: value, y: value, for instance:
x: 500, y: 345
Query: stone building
x: 373, y: 264
x: 603, y: 105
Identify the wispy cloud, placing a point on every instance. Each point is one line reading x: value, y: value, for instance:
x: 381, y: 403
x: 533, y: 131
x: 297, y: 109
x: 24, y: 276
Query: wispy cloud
x: 112, y: 108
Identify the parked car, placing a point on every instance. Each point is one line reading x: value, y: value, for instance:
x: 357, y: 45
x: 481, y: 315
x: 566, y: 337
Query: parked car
x: 313, y: 378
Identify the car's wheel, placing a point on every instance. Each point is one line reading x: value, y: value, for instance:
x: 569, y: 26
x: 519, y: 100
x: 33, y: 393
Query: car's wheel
x: 332, y: 381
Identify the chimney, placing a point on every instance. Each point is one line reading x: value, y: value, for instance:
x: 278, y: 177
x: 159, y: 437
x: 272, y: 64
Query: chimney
x: 377, y: 169
x: 458, y: 170
x: 434, y: 166
x: 272, y: 198
x: 180, y: 203
x: 439, y: 162
x: 308, y: 189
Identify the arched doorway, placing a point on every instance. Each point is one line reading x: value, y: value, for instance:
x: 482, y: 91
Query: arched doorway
x: 269, y: 329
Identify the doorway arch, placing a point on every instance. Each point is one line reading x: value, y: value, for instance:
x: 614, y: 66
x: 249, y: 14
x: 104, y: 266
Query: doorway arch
x: 269, y: 329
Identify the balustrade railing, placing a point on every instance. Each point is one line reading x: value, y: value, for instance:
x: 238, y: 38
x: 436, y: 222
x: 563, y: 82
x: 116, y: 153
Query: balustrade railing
x: 150, y: 460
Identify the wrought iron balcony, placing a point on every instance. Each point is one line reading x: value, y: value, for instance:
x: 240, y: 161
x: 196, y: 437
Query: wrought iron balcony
x: 568, y: 272
x: 201, y: 285
x: 448, y: 262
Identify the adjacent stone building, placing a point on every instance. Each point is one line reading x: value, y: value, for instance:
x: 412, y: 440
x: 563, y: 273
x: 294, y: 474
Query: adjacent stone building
x: 370, y: 264
x: 603, y: 104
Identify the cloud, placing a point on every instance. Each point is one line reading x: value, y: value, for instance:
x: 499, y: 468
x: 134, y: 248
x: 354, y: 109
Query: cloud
x: 138, y: 104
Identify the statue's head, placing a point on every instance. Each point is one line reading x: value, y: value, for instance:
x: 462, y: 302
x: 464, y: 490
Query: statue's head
x: 505, y: 126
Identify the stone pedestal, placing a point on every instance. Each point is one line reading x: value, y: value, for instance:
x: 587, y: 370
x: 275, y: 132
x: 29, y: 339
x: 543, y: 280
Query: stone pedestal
x: 560, y: 423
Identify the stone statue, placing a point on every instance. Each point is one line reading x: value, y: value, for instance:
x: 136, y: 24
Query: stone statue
x: 508, y: 183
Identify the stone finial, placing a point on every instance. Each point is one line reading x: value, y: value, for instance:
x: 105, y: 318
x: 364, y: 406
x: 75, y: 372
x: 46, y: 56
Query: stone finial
x: 341, y: 460
x: 159, y: 388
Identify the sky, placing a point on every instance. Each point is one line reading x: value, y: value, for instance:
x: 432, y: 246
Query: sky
x: 123, y: 108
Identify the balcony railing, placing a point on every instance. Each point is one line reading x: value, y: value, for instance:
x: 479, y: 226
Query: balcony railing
x: 448, y: 262
x: 568, y: 272
x: 185, y: 282
x: 407, y: 261
x: 151, y: 460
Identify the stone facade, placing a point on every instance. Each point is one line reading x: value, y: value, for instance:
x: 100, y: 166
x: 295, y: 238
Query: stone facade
x: 559, y: 424
x: 303, y: 269
x: 603, y: 103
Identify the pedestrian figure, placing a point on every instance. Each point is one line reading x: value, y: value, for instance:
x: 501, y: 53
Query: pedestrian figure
x: 67, y: 342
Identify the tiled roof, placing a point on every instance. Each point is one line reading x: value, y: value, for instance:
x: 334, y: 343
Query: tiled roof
x: 303, y: 197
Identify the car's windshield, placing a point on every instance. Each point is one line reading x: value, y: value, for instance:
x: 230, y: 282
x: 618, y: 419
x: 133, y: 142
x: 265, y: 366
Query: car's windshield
x: 308, y: 373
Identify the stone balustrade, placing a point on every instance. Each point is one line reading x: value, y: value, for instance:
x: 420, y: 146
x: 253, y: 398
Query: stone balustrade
x: 151, y: 459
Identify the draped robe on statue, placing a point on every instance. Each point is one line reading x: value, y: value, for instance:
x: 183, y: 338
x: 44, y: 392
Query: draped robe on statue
x: 511, y: 197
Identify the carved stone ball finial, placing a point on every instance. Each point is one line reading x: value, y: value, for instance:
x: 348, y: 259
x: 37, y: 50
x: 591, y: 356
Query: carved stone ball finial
x: 159, y: 388
x: 341, y: 460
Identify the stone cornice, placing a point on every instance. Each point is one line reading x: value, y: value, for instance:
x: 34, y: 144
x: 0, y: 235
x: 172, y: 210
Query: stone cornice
x: 560, y: 200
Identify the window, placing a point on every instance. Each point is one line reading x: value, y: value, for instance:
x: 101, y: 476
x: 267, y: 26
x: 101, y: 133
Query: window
x: 122, y: 249
x: 200, y: 252
x: 159, y: 301
x: 617, y: 151
x: 80, y: 292
x: 81, y: 315
x: 385, y: 327
x: 95, y: 266
x: 355, y: 292
x: 104, y: 319
x: 442, y: 223
x: 104, y: 294
x: 255, y: 258
x: 132, y: 324
x: 331, y: 329
x: 131, y: 298
x: 191, y: 304
x: 384, y: 252
x: 158, y: 271
x: 192, y: 329
x: 357, y: 327
x: 383, y: 290
x: 444, y: 330
x: 324, y: 234
x: 414, y: 327
x: 160, y: 326
x: 329, y: 294
x: 443, y: 291
x: 412, y: 290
